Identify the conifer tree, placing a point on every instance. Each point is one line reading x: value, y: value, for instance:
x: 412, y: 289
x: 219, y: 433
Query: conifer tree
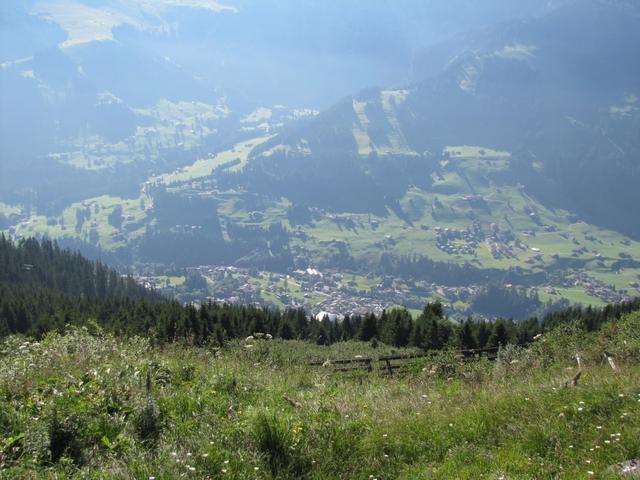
x: 369, y: 328
x: 467, y: 339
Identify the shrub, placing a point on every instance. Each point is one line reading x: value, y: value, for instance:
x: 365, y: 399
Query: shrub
x: 64, y: 438
x: 187, y: 373
x: 148, y: 423
x: 627, y: 340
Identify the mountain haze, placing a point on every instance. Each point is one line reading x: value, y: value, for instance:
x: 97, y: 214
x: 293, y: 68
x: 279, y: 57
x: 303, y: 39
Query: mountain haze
x: 559, y: 92
x: 336, y: 156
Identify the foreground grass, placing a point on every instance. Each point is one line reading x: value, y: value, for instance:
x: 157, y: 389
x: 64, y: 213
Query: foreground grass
x: 93, y: 406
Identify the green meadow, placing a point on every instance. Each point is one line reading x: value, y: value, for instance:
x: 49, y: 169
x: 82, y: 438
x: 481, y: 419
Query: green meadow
x: 89, y: 405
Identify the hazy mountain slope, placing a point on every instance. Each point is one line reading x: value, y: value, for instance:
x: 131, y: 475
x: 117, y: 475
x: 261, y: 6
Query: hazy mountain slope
x: 22, y: 34
x: 74, y: 72
x: 559, y: 92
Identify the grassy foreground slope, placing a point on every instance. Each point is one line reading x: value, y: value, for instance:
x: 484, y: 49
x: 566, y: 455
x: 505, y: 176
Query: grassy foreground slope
x: 88, y: 405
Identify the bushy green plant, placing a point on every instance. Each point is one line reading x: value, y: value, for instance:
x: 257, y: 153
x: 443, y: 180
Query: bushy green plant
x: 148, y: 424
x: 64, y: 438
x: 627, y: 339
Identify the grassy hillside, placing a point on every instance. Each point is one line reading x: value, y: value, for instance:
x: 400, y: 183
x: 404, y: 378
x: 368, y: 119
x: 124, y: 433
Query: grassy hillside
x: 467, y: 209
x: 92, y: 406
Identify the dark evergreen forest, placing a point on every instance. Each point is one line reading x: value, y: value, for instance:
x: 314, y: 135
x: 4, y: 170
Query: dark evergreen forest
x: 46, y: 288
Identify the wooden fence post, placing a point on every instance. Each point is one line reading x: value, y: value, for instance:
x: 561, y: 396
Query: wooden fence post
x: 389, y: 367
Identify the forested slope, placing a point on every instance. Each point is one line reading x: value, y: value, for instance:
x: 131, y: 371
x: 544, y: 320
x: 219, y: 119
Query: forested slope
x: 44, y: 288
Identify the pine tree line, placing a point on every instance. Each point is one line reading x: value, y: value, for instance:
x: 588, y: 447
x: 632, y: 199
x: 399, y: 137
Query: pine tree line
x: 44, y: 288
x: 43, y: 264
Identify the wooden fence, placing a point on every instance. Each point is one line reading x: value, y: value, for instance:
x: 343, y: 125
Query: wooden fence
x: 387, y: 364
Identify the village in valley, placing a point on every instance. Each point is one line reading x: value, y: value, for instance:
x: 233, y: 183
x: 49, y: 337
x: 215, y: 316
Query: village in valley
x: 339, y: 294
x: 310, y: 289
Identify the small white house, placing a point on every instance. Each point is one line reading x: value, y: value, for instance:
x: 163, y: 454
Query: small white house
x: 331, y: 316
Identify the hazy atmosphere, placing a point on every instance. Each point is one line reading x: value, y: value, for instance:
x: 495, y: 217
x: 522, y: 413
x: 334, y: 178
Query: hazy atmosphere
x: 400, y: 150
x: 371, y: 177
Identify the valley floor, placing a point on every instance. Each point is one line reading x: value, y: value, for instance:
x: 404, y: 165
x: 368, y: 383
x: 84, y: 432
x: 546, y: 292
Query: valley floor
x: 464, y: 217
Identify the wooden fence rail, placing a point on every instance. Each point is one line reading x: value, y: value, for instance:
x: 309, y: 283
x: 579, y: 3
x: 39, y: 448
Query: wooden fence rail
x: 385, y: 361
x: 359, y: 363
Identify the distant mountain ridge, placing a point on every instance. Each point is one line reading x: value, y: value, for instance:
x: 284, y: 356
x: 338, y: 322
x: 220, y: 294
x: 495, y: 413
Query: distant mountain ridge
x: 560, y: 92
